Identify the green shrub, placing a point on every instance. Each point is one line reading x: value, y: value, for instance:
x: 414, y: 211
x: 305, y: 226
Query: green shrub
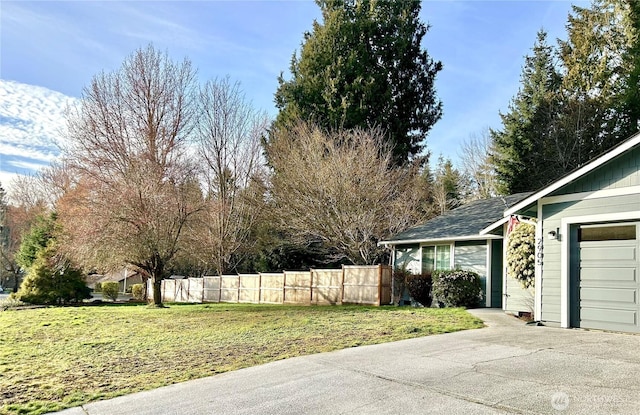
x: 98, y: 287
x: 110, y: 289
x: 138, y: 291
x: 51, y: 280
x: 419, y: 286
x: 457, y: 288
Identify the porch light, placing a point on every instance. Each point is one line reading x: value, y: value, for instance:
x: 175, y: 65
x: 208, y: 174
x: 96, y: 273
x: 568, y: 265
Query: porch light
x: 553, y: 235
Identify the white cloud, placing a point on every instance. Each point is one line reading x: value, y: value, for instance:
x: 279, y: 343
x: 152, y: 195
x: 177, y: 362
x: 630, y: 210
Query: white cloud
x: 31, y: 125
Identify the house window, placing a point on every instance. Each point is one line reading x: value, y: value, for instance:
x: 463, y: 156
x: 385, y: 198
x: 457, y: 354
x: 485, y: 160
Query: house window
x: 436, y: 258
x: 607, y: 233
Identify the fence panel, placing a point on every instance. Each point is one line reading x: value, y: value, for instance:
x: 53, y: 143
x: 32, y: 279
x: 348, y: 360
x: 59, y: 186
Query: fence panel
x: 327, y: 286
x: 229, y: 288
x: 195, y: 290
x: 272, y: 288
x: 361, y: 285
x: 168, y: 290
x: 211, y: 289
x: 249, y: 291
x: 351, y: 284
x: 297, y: 287
x: 182, y: 291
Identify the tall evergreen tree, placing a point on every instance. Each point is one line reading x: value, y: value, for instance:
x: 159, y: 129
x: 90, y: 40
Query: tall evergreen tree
x: 522, y: 148
x: 448, y: 187
x: 596, y: 58
x: 364, y: 66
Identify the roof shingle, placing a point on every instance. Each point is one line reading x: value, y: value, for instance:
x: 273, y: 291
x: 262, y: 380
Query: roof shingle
x: 464, y: 221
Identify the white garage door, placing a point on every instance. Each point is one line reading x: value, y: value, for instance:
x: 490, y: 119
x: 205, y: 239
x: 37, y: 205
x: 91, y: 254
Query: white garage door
x: 609, y: 268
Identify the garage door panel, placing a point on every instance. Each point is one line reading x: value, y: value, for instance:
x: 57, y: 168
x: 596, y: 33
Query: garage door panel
x: 609, y: 286
x: 608, y: 253
x: 601, y: 273
x: 620, y: 296
x: 604, y: 315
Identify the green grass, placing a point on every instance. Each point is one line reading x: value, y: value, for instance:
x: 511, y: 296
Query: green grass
x: 55, y: 358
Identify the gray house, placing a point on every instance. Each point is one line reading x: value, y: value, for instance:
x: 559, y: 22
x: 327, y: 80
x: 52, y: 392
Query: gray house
x: 587, y: 243
x: 454, y: 240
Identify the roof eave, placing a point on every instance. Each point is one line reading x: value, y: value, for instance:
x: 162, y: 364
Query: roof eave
x: 430, y: 240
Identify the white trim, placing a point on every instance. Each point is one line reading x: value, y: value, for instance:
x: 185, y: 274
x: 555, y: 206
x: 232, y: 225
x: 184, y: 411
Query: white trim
x: 625, y: 146
x: 565, y: 271
x: 505, y: 289
x: 442, y: 241
x: 537, y: 284
x: 572, y: 197
x: 488, y: 276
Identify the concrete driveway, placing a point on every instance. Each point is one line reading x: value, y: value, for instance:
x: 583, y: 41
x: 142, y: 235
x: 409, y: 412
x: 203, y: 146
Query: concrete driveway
x: 507, y: 367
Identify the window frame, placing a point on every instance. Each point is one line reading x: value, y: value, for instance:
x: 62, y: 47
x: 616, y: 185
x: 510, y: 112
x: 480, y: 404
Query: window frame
x: 435, y: 246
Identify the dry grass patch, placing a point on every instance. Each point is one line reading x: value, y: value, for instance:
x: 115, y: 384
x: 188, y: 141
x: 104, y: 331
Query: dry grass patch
x: 55, y: 358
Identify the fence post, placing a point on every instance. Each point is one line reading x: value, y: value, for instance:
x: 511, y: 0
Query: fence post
x: 342, y: 286
x: 284, y: 285
x: 379, y: 284
x: 311, y: 286
x: 259, y: 287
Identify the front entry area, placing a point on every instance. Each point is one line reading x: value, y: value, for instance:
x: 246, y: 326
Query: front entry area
x: 608, y: 285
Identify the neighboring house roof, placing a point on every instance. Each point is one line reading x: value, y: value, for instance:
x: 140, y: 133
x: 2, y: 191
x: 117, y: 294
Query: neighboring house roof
x: 572, y: 176
x: 462, y: 223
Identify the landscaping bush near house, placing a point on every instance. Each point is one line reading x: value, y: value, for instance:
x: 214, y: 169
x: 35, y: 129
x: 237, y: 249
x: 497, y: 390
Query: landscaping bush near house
x: 98, y: 287
x: 399, y: 283
x: 457, y: 288
x: 110, y: 290
x: 419, y: 286
x: 137, y: 290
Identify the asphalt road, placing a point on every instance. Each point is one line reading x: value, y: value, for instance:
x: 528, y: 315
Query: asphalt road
x: 507, y: 367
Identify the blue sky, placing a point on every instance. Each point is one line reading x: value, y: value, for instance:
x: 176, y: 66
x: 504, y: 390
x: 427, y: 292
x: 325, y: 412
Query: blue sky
x: 49, y: 50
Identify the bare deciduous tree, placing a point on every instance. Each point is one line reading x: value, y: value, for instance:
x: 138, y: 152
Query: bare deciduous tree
x: 136, y: 189
x: 340, y: 189
x: 475, y: 156
x: 229, y: 133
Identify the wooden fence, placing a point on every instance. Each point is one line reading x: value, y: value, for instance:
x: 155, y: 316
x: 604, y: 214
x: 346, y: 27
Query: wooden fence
x: 352, y: 284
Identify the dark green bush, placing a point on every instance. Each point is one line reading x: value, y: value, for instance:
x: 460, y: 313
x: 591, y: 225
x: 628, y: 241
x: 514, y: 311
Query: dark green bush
x: 137, y: 290
x: 49, y: 281
x: 457, y: 288
x: 110, y: 289
x: 419, y: 286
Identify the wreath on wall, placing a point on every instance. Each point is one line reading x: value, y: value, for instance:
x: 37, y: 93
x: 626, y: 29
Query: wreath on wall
x: 521, y: 254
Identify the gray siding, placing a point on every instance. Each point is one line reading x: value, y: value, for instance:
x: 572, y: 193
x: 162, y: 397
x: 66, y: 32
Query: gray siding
x: 623, y: 171
x: 472, y: 257
x: 552, y: 215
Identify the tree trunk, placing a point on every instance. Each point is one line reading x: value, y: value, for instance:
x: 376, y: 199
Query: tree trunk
x: 157, y: 291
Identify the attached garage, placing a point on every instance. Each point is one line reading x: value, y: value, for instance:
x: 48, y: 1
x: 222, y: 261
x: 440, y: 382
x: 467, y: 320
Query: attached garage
x: 588, y: 243
x: 607, y: 286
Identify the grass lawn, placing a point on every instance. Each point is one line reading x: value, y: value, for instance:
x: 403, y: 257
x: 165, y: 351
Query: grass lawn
x: 54, y: 358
